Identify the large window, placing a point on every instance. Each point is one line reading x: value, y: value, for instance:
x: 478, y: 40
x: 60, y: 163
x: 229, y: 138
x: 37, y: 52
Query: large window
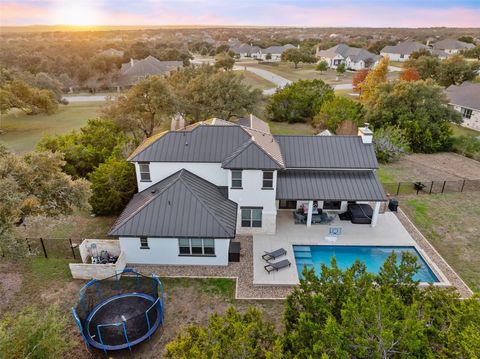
x: 196, y: 246
x: 267, y: 179
x: 144, y: 243
x: 144, y: 171
x: 466, y: 112
x: 236, y: 179
x: 251, y: 217
x: 332, y: 204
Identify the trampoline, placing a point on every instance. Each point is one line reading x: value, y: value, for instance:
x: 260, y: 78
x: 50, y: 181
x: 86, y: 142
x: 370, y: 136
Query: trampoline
x: 121, y: 311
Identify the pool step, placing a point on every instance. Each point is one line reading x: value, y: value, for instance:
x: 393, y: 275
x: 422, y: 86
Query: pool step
x: 304, y: 262
x: 303, y: 254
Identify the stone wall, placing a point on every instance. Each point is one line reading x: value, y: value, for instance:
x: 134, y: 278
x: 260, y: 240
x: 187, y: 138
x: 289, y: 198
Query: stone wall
x: 112, y: 246
x: 97, y: 271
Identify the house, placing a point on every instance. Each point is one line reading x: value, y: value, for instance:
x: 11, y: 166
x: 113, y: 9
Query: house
x: 275, y: 52
x: 402, y: 51
x: 246, y: 51
x: 353, y: 58
x: 452, y: 46
x: 135, y: 70
x: 465, y: 98
x: 201, y: 186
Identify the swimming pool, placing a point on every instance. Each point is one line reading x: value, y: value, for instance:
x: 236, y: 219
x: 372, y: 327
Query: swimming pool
x: 372, y: 256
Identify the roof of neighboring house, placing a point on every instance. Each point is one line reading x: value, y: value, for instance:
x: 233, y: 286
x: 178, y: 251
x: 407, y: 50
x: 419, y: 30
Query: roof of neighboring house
x: 326, y: 152
x: 355, y: 54
x: 465, y: 95
x: 329, y: 185
x: 405, y: 48
x: 245, y: 49
x: 439, y: 53
x: 277, y: 49
x: 135, y: 69
x: 452, y: 44
x: 182, y: 205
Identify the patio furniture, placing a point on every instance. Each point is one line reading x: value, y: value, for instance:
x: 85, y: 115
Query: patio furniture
x: 322, y: 218
x: 361, y: 213
x: 270, y: 267
x: 274, y: 255
x: 299, y: 218
x: 234, y: 252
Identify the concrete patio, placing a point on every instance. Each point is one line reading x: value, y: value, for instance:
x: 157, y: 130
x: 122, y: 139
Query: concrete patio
x: 389, y: 231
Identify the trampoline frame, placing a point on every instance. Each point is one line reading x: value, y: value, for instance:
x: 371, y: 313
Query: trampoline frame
x: 157, y: 303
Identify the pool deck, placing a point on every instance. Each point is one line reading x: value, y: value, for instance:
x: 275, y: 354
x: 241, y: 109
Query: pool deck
x: 388, y: 232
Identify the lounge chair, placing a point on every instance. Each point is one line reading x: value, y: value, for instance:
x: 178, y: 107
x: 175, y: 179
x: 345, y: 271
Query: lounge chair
x: 300, y: 218
x: 270, y: 267
x: 322, y: 219
x: 274, y: 255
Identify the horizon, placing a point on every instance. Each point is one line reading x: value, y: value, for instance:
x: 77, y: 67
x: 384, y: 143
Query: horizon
x: 268, y: 13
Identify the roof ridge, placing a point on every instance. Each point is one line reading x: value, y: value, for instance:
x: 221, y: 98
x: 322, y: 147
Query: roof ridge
x: 240, y: 148
x: 157, y: 135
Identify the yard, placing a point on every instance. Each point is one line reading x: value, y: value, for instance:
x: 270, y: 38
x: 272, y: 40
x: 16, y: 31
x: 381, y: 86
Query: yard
x: 255, y: 81
x: 22, y: 132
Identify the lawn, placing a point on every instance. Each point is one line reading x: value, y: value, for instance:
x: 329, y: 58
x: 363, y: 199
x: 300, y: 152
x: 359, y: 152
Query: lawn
x: 451, y: 222
x: 463, y: 131
x: 21, y: 132
x: 257, y: 82
x: 285, y: 128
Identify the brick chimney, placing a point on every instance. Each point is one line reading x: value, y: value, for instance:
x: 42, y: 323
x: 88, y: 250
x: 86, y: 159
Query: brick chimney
x: 366, y: 134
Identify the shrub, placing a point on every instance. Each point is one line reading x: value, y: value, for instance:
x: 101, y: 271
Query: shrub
x: 468, y: 146
x: 390, y: 144
x: 337, y: 110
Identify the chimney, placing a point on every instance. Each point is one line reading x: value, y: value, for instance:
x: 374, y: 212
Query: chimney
x: 366, y: 134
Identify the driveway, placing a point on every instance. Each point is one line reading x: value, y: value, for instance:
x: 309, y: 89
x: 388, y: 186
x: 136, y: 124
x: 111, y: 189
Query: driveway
x: 87, y: 98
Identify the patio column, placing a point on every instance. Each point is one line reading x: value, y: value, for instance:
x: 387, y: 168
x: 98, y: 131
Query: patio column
x: 376, y: 211
x: 309, y: 214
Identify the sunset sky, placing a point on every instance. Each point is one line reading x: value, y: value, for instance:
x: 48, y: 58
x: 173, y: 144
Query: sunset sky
x: 375, y: 13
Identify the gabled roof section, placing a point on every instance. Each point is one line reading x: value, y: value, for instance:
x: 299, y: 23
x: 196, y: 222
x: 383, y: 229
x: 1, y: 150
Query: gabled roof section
x: 465, y: 95
x: 327, y: 152
x: 146, y: 142
x: 406, y: 47
x: 452, y: 44
x: 182, y: 205
x: 250, y: 156
x: 266, y: 141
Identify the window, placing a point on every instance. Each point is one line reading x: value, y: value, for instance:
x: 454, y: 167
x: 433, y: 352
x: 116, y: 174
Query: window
x: 144, y: 171
x: 144, y: 243
x: 236, y: 179
x: 267, y: 179
x: 283, y: 204
x: 466, y: 112
x: 196, y: 247
x: 332, y: 204
x: 252, y: 217
x: 402, y: 56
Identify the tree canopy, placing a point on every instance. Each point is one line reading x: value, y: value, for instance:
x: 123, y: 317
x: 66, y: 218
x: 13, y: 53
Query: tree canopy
x: 296, y: 56
x: 374, y: 78
x: 31, y: 100
x: 224, y: 61
x: 337, y: 110
x: 299, y: 101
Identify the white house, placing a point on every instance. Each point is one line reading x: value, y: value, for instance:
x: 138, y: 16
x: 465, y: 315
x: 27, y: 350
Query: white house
x: 452, y: 46
x: 275, y: 52
x: 402, y: 51
x: 353, y: 58
x: 135, y: 70
x: 465, y: 98
x: 202, y: 185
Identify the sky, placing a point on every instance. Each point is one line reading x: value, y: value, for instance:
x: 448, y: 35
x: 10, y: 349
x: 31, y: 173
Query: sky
x: 305, y: 13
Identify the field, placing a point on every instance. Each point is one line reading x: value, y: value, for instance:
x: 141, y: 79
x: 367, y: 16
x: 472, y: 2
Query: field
x: 21, y: 132
x: 255, y: 81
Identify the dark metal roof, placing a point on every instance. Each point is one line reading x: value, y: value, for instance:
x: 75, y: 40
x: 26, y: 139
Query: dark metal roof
x: 250, y: 156
x: 329, y: 185
x: 182, y: 205
x: 327, y: 152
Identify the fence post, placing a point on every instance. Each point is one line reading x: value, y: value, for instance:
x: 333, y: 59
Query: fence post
x: 71, y: 247
x: 43, y: 246
x: 431, y: 187
x: 463, y: 185
x: 398, y: 188
x: 444, y: 182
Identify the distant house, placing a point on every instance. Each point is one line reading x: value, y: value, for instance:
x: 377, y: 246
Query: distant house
x: 255, y: 52
x: 402, y: 51
x: 353, y: 58
x: 466, y: 100
x: 245, y: 51
x: 275, y: 52
x: 452, y: 46
x: 112, y: 53
x: 135, y: 70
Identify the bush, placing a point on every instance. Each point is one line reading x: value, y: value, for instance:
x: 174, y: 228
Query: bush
x: 34, y: 334
x: 390, y: 144
x: 337, y: 110
x: 468, y: 146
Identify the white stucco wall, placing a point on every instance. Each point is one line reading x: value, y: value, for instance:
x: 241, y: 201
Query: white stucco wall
x: 473, y: 122
x: 395, y: 57
x: 212, y: 172
x: 165, y: 251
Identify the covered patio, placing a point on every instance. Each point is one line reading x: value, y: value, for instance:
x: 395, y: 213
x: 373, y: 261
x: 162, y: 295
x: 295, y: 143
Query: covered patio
x: 389, y: 231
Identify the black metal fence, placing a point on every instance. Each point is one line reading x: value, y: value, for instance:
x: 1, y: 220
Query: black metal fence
x: 50, y: 247
x: 431, y: 187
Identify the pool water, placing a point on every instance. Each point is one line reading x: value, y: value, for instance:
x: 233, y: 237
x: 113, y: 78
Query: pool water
x: 372, y: 256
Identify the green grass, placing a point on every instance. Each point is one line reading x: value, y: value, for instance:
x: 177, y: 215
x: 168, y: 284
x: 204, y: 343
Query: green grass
x: 53, y: 269
x: 463, y: 131
x: 257, y: 82
x: 22, y: 132
x: 443, y: 219
x: 386, y: 175
x: 220, y: 286
x: 285, y: 128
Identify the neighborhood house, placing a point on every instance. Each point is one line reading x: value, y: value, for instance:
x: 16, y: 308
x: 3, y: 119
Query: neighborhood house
x: 402, y: 51
x: 135, y: 70
x: 201, y: 186
x: 465, y: 98
x: 353, y: 58
x: 452, y: 46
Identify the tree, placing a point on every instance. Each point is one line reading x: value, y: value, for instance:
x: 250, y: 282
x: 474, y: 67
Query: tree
x: 294, y: 55
x: 146, y: 106
x: 358, y: 78
x: 375, y: 77
x: 113, y: 185
x: 224, y: 61
x: 390, y: 144
x: 427, y: 67
x: 473, y: 53
x: 322, y: 66
x: 337, y: 110
x: 419, y: 109
x: 467, y: 39
x: 31, y: 100
x: 85, y: 149
x: 35, y: 334
x: 268, y: 56
x: 341, y: 69
x: 409, y: 74
x: 35, y: 185
x: 298, y: 101
x: 455, y: 70
x: 233, y: 335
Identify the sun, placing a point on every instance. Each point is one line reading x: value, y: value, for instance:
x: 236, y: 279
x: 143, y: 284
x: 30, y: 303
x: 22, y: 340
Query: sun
x: 79, y: 14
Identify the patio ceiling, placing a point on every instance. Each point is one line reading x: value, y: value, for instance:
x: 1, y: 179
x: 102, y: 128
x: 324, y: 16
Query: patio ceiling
x: 329, y: 185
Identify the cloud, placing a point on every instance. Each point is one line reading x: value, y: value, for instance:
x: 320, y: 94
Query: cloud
x: 22, y: 14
